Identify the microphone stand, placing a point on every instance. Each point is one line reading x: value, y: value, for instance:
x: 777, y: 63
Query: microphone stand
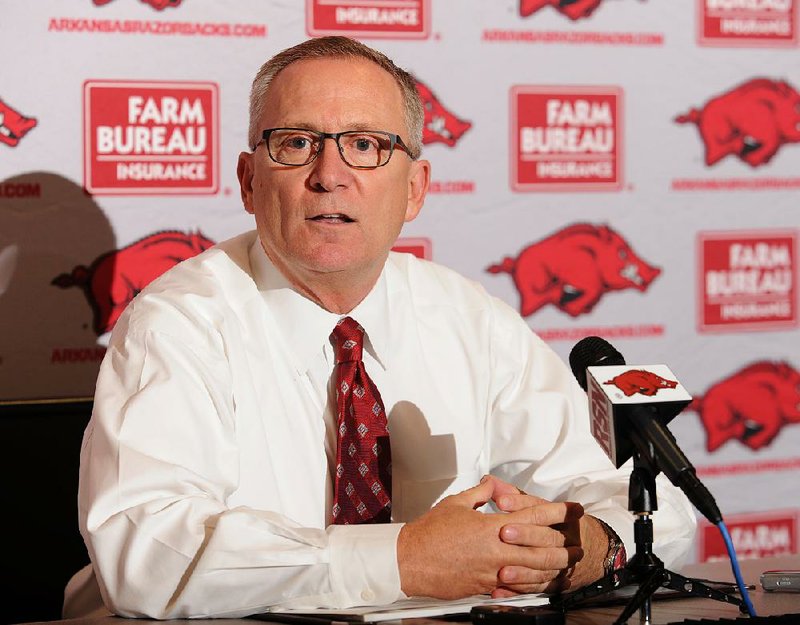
x: 644, y: 569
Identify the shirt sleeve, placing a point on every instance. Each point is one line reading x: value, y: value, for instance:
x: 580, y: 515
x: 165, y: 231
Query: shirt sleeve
x: 540, y: 440
x: 158, y: 464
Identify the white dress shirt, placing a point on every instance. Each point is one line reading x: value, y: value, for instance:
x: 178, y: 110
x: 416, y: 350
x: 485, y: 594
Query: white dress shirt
x: 205, y: 485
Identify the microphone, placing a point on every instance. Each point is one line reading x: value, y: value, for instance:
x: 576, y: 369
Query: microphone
x: 628, y: 415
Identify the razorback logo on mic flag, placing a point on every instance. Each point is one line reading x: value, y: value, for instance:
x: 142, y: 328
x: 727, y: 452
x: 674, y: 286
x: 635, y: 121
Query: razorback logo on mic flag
x: 640, y: 381
x: 150, y: 138
x: 573, y: 268
x: 769, y: 23
x: 751, y: 406
x: 610, y: 401
x: 408, y: 19
x: 573, y: 9
x: 566, y: 138
x: 13, y: 125
x: 627, y: 384
x: 751, y: 121
x: 441, y: 125
x: 113, y: 279
x: 747, y: 280
x: 159, y: 5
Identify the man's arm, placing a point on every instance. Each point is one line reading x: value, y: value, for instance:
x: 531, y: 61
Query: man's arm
x: 159, y: 469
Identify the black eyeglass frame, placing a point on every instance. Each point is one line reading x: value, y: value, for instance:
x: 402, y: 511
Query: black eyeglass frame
x: 395, y: 141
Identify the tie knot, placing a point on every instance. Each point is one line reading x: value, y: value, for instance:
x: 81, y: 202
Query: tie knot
x: 348, y: 339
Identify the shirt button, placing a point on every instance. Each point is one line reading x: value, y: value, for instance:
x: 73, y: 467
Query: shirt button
x: 367, y: 594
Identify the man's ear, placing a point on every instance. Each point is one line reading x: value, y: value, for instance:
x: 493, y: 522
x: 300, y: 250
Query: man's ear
x: 419, y: 179
x: 244, y: 171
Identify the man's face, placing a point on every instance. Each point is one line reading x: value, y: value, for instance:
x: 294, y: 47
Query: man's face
x: 326, y: 217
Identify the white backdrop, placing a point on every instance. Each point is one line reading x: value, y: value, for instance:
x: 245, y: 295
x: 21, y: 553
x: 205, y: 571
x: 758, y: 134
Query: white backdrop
x: 633, y: 163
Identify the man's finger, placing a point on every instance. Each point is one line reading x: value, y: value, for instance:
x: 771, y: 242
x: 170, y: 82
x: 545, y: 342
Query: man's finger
x: 534, y: 536
x: 571, y: 532
x: 473, y: 497
x: 557, y: 585
x: 514, y: 577
x: 543, y: 558
x: 511, y: 502
x: 501, y: 487
x: 544, y: 514
x: 503, y: 593
x: 520, y: 501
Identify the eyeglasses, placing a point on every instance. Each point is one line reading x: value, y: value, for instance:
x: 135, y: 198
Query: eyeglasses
x: 361, y: 149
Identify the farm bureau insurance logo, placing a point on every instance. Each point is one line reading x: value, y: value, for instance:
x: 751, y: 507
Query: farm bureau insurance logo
x: 748, y: 281
x: 150, y: 138
x: 747, y: 22
x: 566, y: 138
x: 403, y: 19
x: 761, y: 535
x: 420, y: 247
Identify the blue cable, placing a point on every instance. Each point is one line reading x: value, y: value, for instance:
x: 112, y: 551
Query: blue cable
x: 735, y: 566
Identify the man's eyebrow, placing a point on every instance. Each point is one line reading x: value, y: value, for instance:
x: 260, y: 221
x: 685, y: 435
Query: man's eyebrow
x: 297, y: 125
x: 345, y: 127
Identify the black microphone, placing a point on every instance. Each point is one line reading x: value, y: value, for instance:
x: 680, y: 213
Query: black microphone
x: 622, y: 425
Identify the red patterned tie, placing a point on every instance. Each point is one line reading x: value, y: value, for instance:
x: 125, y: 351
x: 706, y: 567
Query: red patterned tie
x: 363, y: 485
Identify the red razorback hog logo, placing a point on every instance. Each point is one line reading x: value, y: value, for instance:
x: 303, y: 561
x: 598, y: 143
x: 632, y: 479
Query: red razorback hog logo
x: 116, y: 277
x: 640, y: 381
x: 752, y: 405
x: 751, y: 121
x: 573, y: 9
x: 573, y: 268
x: 441, y: 125
x: 13, y: 125
x: 156, y: 4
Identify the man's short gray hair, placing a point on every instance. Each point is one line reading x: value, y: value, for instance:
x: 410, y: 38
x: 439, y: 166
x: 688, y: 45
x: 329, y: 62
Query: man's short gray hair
x: 337, y: 47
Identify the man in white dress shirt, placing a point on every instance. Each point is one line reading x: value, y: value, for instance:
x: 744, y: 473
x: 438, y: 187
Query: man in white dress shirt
x: 206, y: 471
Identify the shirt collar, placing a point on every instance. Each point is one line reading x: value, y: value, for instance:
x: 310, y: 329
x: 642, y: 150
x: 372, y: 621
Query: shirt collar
x: 307, y: 326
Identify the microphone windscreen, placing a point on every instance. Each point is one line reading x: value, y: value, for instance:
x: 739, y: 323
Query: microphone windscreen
x: 592, y: 351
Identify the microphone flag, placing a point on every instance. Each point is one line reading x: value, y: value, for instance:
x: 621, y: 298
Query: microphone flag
x: 615, y: 390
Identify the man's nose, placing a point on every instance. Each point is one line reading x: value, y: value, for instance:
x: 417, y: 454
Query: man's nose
x: 329, y: 171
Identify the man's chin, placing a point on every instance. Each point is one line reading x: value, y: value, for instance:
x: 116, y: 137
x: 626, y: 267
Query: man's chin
x: 336, y: 265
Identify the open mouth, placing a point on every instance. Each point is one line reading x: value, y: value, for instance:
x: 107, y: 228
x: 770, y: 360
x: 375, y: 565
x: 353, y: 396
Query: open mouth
x: 568, y: 294
x: 631, y: 272
x: 332, y: 218
x: 751, y: 429
x: 750, y: 145
x: 5, y: 130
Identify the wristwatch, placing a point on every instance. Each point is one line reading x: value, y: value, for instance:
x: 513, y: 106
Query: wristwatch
x: 616, y: 556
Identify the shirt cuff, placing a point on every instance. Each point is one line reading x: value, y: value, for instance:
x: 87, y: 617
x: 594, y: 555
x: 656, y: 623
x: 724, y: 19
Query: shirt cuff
x: 363, y: 563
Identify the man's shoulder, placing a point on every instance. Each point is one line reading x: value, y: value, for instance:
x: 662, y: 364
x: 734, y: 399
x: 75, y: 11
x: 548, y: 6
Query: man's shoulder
x: 212, y: 268
x: 450, y: 301
x: 208, y: 285
x: 432, y: 284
